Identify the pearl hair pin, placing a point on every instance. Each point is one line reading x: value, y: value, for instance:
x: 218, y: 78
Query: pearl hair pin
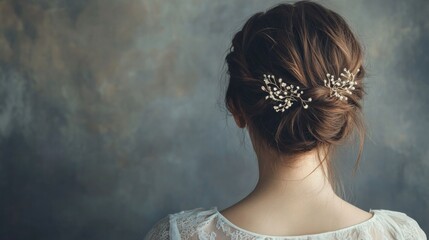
x: 339, y: 86
x: 282, y: 92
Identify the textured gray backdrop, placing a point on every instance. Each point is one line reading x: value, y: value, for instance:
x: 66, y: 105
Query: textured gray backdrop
x: 111, y: 113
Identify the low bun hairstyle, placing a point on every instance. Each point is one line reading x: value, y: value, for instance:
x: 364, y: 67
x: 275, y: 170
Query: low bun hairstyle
x: 300, y: 43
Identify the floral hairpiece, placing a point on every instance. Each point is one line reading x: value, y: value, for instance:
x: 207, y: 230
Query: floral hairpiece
x: 280, y: 91
x: 339, y: 86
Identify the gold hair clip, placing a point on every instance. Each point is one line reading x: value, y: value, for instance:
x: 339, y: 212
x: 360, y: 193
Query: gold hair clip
x: 339, y: 86
x: 282, y: 92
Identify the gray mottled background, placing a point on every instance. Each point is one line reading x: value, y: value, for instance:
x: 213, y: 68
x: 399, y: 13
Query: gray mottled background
x: 111, y: 113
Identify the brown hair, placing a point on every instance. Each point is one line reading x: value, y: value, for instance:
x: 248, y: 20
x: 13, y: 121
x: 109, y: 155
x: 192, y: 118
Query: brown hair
x: 300, y: 43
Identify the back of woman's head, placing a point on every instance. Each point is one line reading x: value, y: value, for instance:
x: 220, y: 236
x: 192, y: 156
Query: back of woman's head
x: 299, y: 43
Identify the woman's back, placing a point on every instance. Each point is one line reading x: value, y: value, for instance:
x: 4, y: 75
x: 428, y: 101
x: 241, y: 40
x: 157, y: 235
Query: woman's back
x: 210, y: 224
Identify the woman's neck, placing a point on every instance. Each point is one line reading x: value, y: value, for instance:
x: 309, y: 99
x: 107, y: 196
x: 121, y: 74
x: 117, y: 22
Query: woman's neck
x: 293, y: 188
x: 294, y: 200
x: 306, y: 175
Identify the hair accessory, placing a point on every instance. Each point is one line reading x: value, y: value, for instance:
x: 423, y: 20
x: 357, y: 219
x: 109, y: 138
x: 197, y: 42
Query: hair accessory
x: 282, y: 92
x: 339, y: 86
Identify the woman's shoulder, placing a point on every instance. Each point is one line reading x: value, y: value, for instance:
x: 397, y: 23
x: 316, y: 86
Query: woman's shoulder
x: 395, y: 218
x: 187, y: 220
x: 179, y: 224
x: 160, y: 230
x: 400, y: 223
x: 199, y: 212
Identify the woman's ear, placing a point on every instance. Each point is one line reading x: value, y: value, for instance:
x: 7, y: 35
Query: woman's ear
x: 239, y: 120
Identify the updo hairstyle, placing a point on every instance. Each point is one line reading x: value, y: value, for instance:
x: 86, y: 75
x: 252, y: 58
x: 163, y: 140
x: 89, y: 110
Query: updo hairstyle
x: 300, y: 43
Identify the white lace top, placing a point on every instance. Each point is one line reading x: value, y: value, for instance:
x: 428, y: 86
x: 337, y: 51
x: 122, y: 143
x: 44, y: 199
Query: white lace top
x: 210, y: 224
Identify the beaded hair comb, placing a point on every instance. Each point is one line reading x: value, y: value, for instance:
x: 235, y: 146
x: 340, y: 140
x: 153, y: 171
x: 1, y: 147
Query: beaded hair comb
x: 280, y: 91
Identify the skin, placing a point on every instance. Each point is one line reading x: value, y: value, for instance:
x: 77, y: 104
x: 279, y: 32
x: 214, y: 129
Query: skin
x: 292, y: 200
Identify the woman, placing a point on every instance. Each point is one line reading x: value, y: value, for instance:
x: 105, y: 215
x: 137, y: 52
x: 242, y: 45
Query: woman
x: 296, y: 84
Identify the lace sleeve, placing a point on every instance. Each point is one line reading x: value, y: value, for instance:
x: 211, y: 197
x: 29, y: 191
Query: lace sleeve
x: 160, y: 231
x: 413, y: 231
